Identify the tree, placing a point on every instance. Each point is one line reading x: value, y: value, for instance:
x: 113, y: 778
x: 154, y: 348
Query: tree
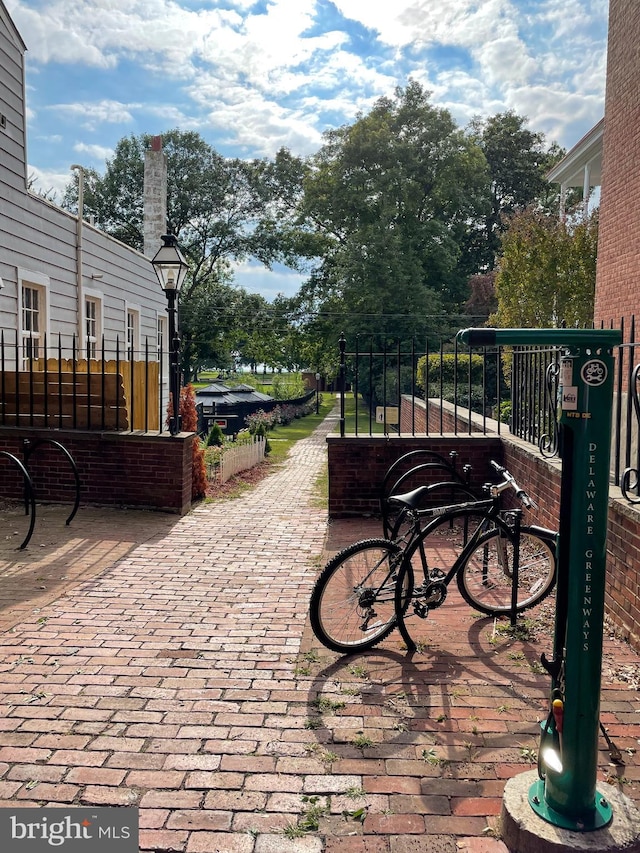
x: 482, y: 298
x: 208, y: 323
x: 393, y: 196
x: 518, y: 162
x: 222, y: 210
x: 547, y: 271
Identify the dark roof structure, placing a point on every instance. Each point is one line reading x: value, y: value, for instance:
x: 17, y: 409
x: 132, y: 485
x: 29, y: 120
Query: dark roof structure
x: 224, y: 397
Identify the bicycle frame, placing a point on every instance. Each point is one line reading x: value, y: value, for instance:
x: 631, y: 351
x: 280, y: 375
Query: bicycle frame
x: 492, y: 517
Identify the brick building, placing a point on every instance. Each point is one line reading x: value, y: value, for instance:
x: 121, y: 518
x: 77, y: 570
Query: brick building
x: 618, y: 272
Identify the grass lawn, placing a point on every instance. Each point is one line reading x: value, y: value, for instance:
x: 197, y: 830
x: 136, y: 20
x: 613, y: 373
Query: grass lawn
x: 363, y: 417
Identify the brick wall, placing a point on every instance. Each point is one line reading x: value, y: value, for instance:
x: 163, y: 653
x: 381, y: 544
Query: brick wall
x: 415, y: 413
x: 618, y: 268
x: 139, y: 469
x: 357, y: 465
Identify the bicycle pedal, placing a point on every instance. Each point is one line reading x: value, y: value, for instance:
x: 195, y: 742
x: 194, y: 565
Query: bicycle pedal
x: 421, y: 610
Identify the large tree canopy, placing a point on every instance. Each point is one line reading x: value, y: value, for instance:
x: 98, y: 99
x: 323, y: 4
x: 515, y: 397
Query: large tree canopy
x: 518, y: 161
x: 393, y: 195
x: 222, y: 211
x: 390, y: 219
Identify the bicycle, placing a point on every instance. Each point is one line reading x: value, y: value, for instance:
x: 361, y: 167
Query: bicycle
x: 501, y: 568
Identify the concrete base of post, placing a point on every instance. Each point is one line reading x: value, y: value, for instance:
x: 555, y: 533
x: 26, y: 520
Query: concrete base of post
x: 523, y: 831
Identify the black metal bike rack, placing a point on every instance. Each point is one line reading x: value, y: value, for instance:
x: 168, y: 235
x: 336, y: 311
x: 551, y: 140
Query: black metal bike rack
x: 29, y: 495
x: 407, y: 466
x: 28, y: 448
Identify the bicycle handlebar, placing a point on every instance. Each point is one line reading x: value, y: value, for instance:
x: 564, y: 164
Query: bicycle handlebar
x: 510, y: 482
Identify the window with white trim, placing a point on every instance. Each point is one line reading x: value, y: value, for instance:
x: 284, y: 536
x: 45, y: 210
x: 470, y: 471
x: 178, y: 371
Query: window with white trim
x: 162, y: 336
x: 32, y: 316
x: 92, y: 325
x: 32, y: 323
x: 133, y: 333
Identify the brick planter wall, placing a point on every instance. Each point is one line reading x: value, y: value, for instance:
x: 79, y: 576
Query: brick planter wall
x: 414, y: 414
x: 357, y: 465
x: 124, y: 469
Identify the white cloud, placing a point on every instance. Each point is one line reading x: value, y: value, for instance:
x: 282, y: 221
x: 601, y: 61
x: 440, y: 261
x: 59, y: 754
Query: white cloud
x: 521, y: 61
x: 90, y: 115
x: 50, y: 182
x: 96, y: 152
x: 255, y: 278
x: 262, y: 80
x: 261, y: 126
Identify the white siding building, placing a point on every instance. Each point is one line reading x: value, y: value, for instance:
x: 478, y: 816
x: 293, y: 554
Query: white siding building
x: 60, y: 276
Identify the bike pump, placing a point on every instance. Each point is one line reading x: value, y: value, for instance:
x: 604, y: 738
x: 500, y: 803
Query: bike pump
x: 565, y: 793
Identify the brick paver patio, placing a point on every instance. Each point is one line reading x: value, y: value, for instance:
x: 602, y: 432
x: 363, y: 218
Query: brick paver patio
x: 168, y: 663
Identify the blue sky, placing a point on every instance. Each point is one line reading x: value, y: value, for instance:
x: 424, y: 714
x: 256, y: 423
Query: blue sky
x: 251, y: 76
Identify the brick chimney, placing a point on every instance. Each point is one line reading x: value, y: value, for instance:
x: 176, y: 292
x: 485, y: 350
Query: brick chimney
x: 155, y: 197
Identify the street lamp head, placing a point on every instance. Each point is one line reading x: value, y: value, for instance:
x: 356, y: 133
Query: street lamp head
x: 169, y: 264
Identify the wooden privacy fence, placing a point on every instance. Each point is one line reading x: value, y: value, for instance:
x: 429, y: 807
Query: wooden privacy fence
x: 68, y: 394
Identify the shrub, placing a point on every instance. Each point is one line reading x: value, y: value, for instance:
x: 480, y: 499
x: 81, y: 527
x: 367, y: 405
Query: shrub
x: 190, y: 424
x: 261, y: 431
x: 448, y: 369
x: 260, y: 418
x: 505, y: 411
x: 288, y: 386
x: 215, y: 437
x: 280, y: 415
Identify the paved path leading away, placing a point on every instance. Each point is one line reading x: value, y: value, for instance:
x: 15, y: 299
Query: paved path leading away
x: 166, y: 678
x: 168, y: 663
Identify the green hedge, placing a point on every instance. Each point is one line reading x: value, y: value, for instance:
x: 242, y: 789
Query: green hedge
x: 446, y: 367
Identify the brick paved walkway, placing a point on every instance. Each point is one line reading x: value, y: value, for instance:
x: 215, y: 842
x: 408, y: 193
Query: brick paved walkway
x: 168, y: 663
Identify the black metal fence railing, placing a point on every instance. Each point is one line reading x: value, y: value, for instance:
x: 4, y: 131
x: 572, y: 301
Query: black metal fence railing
x: 390, y: 385
x: 534, y: 389
x: 483, y: 391
x: 44, y: 384
x: 626, y: 415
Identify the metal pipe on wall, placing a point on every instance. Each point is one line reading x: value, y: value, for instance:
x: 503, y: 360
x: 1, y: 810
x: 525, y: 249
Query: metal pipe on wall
x: 79, y: 265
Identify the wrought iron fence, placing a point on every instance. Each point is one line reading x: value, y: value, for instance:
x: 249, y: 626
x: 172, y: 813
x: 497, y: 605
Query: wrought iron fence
x: 626, y: 423
x: 55, y: 386
x: 533, y: 384
x: 534, y: 411
x: 394, y: 381
x: 483, y: 392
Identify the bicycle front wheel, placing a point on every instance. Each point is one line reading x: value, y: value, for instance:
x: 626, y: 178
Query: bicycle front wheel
x: 486, y: 579
x: 352, y: 603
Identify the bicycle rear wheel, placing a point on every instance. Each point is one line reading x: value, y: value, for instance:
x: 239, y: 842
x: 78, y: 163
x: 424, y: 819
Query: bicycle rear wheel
x: 486, y: 579
x: 352, y: 603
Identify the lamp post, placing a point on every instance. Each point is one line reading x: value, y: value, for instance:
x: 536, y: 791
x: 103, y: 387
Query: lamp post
x: 171, y: 269
x: 317, y: 393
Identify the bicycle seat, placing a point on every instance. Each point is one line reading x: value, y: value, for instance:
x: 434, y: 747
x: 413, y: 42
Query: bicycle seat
x: 410, y: 500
